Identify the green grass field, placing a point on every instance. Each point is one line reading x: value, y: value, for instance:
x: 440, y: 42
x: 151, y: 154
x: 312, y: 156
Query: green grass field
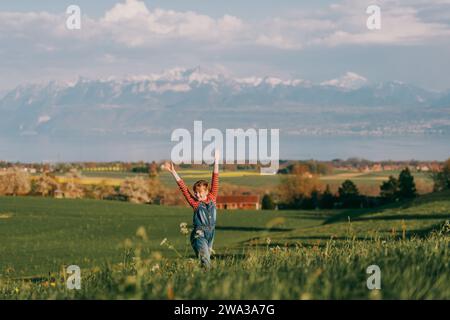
x: 259, y: 254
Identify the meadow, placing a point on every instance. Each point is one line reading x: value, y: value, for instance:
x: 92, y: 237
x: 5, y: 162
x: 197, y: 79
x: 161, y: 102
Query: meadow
x: 258, y: 254
x: 367, y: 182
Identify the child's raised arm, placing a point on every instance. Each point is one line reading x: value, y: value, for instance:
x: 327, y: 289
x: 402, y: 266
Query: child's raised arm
x: 184, y: 189
x: 215, y: 175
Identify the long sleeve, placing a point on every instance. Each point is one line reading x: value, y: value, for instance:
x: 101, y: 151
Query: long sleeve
x: 187, y: 194
x: 215, y: 184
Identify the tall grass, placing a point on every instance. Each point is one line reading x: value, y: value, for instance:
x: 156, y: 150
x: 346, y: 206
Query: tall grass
x: 410, y: 269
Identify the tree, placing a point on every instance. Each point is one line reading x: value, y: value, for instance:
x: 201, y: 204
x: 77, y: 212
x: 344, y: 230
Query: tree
x: 442, y: 178
x: 155, y: 190
x: 72, y: 188
x: 45, y: 185
x: 314, y: 199
x: 349, y: 194
x: 14, y: 182
x: 267, y: 202
x: 348, y: 189
x: 300, y: 169
x: 140, y: 190
x: 102, y: 191
x: 296, y: 188
x: 153, y: 170
x: 328, y: 199
x: 389, y: 190
x: 406, y: 185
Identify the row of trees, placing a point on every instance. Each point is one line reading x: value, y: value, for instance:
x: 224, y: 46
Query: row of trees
x: 400, y: 188
x: 15, y: 182
x: 300, y: 191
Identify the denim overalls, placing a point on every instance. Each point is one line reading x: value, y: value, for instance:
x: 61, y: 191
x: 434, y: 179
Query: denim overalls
x: 202, y: 235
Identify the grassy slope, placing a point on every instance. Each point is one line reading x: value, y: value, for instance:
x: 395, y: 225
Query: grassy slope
x: 39, y: 235
x: 414, y: 218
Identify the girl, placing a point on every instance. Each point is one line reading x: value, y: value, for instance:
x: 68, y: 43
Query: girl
x: 203, y: 202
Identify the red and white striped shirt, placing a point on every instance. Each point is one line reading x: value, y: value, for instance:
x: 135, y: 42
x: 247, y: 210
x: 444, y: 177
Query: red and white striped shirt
x: 193, y: 201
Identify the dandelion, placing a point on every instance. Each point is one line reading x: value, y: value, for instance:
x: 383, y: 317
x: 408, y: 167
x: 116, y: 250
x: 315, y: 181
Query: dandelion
x: 156, y: 255
x: 184, y: 228
x: 141, y: 233
x: 375, y: 295
x: 268, y: 241
x: 127, y: 244
x: 305, y: 296
x: 170, y: 246
x: 155, y: 268
x: 130, y: 280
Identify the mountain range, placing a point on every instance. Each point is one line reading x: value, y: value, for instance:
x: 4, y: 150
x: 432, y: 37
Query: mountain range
x: 151, y: 106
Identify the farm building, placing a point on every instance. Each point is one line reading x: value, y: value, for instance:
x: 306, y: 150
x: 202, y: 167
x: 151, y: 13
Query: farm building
x: 249, y: 202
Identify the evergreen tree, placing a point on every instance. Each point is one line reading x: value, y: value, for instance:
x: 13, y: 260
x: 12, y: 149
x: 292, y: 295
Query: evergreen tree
x: 406, y: 185
x: 349, y: 194
x: 315, y: 195
x: 389, y: 190
x: 328, y: 199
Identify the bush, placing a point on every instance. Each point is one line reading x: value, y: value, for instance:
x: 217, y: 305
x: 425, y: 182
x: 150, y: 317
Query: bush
x: 45, y: 185
x: 442, y: 178
x: 101, y: 191
x: 267, y: 203
x: 136, y: 190
x: 72, y: 188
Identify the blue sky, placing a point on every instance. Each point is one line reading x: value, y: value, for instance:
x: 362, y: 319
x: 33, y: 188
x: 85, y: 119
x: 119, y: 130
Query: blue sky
x: 312, y: 40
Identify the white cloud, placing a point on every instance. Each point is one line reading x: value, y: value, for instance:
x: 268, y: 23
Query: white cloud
x: 400, y: 25
x: 133, y: 24
x: 345, y: 24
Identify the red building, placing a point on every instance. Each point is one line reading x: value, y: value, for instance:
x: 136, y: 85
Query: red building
x: 243, y: 202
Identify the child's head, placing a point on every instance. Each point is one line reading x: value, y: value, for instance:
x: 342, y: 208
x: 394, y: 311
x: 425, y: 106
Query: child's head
x: 201, y: 189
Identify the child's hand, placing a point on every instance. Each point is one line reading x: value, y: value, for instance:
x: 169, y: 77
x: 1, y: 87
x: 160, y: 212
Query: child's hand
x: 216, y: 155
x: 169, y: 167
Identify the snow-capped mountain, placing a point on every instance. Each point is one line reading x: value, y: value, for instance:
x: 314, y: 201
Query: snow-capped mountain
x: 186, y: 87
x: 155, y: 104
